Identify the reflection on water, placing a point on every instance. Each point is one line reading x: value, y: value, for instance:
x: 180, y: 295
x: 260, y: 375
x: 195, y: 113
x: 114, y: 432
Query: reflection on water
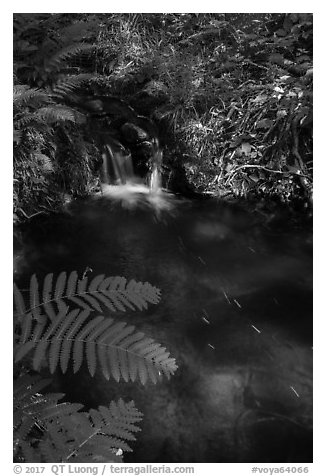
x: 236, y: 312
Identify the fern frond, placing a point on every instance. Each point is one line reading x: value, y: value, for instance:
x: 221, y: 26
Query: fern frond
x: 34, y: 297
x: 30, y: 120
x: 98, y: 435
x: 60, y: 336
x: 117, y: 420
x: 57, y: 113
x: 48, y: 431
x: 67, y: 85
x: 26, y: 386
x: 76, y: 440
x: 31, y: 408
x: 70, y: 52
x: 112, y: 292
x: 24, y: 96
x: 19, y: 301
x: 119, y: 351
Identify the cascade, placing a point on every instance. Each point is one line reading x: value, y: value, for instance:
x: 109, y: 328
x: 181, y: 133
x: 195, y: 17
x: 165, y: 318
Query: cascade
x: 155, y: 176
x: 131, y: 154
x: 119, y: 183
x: 117, y: 165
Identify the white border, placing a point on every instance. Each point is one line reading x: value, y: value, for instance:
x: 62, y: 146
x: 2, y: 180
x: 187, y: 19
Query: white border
x: 319, y: 466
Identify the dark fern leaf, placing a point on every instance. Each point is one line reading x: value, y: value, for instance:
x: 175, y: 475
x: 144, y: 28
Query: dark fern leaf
x: 120, y: 352
x: 31, y: 412
x: 119, y: 419
x: 26, y: 324
x: 46, y: 430
x: 76, y: 441
x: 31, y: 407
x: 112, y: 292
x: 60, y: 285
x: 71, y: 284
x: 19, y: 301
x: 59, y: 59
x: 66, y: 86
x: 95, y: 436
x: 26, y: 386
x: 56, y: 113
x: 24, y: 96
x: 47, y: 287
x: 34, y: 297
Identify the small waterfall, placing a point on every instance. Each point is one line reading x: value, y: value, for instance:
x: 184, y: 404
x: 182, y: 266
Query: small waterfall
x: 117, y: 166
x: 155, y: 178
x: 120, y: 183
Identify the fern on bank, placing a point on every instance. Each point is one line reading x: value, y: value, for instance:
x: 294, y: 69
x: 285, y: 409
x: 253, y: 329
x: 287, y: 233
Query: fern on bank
x: 65, y: 87
x: 69, y: 53
x: 24, y: 96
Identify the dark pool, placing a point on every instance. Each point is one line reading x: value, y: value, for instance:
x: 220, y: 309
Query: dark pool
x: 236, y: 313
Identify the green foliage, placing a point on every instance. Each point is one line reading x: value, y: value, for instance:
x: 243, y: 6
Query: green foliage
x: 61, y: 337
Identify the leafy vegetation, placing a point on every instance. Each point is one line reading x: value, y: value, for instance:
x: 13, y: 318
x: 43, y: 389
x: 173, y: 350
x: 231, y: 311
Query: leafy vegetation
x: 46, y: 430
x: 231, y: 94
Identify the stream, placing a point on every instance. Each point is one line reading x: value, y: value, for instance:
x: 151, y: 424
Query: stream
x: 235, y: 312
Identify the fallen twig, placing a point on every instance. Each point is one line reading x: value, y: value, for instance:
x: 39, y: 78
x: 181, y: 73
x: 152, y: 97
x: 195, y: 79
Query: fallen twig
x: 261, y: 167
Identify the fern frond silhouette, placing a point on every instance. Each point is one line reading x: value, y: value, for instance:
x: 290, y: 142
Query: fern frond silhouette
x: 112, y: 292
x: 48, y: 431
x: 61, y: 336
x: 120, y: 352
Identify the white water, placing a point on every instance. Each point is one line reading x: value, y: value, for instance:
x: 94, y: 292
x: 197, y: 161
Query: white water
x: 133, y: 194
x: 155, y: 179
x: 117, y: 166
x: 120, y: 183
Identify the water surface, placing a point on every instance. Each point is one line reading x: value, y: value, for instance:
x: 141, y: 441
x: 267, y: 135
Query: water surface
x: 236, y: 313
